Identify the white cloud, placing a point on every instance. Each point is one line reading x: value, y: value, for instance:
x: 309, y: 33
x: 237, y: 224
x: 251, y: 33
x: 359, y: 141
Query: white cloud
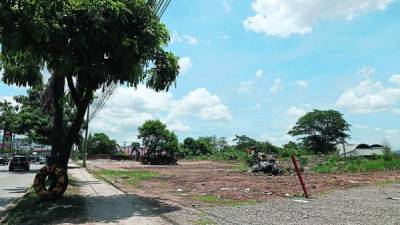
x: 245, y: 87
x: 8, y: 99
x: 129, y: 108
x: 361, y: 126
x: 277, y: 86
x: 185, y: 64
x: 302, y: 83
x: 185, y: 38
x: 395, y: 79
x: 285, y: 17
x: 278, y: 140
x: 259, y: 73
x: 369, y: 96
x: 366, y: 71
x: 295, y: 112
x: 203, y: 104
x: 227, y: 6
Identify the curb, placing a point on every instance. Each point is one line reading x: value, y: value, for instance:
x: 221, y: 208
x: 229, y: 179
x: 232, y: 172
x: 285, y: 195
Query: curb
x: 166, y: 218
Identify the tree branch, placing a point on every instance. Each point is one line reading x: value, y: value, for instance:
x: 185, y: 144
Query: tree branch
x: 73, y: 91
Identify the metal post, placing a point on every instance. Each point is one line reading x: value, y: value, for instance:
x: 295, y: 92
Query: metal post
x: 86, y: 137
x: 303, y: 185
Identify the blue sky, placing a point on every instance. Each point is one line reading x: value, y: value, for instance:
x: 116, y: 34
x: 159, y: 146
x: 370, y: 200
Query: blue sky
x: 255, y: 66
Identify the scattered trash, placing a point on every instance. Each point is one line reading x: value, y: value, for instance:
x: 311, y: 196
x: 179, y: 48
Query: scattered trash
x: 247, y: 189
x: 179, y: 190
x: 287, y: 195
x: 268, y: 192
x: 304, y: 216
x: 393, y: 198
x: 301, y: 200
x: 224, y: 189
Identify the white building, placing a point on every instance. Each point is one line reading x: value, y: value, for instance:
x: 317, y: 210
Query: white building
x: 353, y: 150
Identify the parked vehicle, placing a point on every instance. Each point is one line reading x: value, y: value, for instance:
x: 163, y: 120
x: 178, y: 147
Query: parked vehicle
x: 43, y: 160
x: 19, y: 162
x: 3, y: 160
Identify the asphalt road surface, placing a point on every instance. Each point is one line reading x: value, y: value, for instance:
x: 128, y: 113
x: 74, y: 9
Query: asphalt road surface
x: 14, y: 184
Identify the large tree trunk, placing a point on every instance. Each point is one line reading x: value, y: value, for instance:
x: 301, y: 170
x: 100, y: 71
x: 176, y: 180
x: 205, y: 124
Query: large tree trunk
x: 74, y: 130
x: 58, y: 129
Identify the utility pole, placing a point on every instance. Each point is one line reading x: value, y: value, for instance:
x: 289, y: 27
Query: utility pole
x: 86, y: 136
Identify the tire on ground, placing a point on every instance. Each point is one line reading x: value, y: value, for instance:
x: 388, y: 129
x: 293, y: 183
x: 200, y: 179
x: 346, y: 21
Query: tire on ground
x: 58, y: 178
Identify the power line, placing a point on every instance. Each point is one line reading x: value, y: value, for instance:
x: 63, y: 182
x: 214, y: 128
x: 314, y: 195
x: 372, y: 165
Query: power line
x: 160, y: 6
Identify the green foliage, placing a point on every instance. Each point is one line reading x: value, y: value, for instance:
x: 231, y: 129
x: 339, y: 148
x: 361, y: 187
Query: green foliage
x: 230, y: 154
x: 98, y: 41
x: 321, y: 130
x: 387, y: 151
x: 244, y: 142
x: 8, y: 115
x: 135, y: 145
x: 90, y: 44
x: 100, y: 143
x: 217, y: 200
x: 201, y: 146
x: 334, y: 164
x: 293, y: 148
x: 162, y: 145
x: 34, y: 122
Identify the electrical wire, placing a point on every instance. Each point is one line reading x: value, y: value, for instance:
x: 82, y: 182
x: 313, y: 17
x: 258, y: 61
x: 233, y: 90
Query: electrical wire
x: 100, y: 100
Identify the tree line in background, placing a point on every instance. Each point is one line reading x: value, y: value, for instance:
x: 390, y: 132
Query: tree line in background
x: 318, y: 131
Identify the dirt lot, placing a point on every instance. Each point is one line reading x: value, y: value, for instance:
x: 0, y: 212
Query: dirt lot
x: 183, y: 182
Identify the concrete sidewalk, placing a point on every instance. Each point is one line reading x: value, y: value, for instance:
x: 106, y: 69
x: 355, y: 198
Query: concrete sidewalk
x: 105, y: 204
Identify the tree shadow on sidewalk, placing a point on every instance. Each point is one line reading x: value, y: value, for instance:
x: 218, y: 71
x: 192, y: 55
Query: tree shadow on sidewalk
x: 120, y: 207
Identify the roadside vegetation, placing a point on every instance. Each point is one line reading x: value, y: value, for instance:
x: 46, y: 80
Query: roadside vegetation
x: 216, y: 200
x: 334, y: 164
x: 130, y: 177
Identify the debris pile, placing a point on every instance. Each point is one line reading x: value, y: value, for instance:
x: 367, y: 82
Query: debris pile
x: 266, y: 164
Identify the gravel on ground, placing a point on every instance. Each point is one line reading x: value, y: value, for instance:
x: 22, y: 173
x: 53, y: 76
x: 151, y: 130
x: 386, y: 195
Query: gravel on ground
x: 368, y: 205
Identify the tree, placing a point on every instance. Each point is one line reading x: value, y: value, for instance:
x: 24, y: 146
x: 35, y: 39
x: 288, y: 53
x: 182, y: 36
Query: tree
x: 8, y: 113
x: 135, y: 149
x: 162, y: 145
x: 86, y: 45
x: 100, y: 143
x: 243, y: 142
x: 32, y: 120
x: 321, y: 130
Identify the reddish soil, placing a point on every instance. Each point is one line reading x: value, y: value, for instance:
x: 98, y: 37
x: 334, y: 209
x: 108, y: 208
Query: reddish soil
x: 204, y: 177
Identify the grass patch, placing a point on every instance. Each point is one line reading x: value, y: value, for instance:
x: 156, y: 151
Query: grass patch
x: 214, y: 200
x: 241, y: 168
x: 334, y: 164
x: 205, y: 221
x: 384, y: 183
x: 131, y: 177
x: 33, y: 210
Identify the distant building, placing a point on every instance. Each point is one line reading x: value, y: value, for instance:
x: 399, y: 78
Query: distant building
x: 355, y: 150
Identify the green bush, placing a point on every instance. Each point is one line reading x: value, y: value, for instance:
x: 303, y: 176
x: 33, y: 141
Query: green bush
x: 361, y: 164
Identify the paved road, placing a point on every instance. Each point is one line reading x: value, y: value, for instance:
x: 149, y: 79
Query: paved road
x: 14, y: 184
